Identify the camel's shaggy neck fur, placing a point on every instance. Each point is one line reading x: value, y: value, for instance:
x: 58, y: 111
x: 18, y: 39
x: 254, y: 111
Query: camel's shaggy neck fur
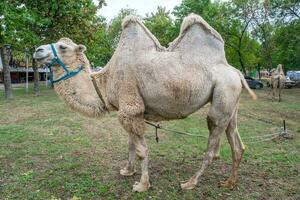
x: 78, y: 92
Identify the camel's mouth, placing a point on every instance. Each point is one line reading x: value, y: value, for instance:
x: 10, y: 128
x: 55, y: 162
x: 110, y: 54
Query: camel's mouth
x: 42, y: 59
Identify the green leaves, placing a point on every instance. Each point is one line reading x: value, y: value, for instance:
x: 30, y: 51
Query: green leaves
x: 256, y: 32
x: 161, y: 25
x: 287, y: 45
x: 30, y: 23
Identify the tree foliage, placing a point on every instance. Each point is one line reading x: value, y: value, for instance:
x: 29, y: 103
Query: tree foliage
x: 29, y: 23
x: 287, y: 48
x: 161, y: 25
x: 257, y: 33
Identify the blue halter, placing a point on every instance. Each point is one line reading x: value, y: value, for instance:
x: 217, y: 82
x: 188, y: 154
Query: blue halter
x: 68, y: 74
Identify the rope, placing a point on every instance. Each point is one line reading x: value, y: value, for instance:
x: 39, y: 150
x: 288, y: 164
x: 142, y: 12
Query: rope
x: 157, y: 126
x: 184, y: 133
x: 262, y: 136
x: 263, y: 140
x: 257, y: 118
x: 99, y: 93
x: 256, y: 138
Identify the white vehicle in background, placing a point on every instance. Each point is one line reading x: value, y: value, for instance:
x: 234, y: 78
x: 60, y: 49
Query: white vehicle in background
x: 294, y: 75
x: 289, y: 83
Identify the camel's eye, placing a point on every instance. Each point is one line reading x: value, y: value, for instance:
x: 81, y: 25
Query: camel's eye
x: 62, y: 47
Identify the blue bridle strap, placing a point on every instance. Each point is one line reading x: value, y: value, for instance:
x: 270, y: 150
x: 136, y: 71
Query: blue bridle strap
x: 67, y: 74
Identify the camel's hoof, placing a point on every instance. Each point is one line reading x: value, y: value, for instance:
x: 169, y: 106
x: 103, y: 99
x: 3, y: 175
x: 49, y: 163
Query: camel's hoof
x: 188, y: 185
x: 126, y: 172
x: 229, y: 183
x: 141, y: 187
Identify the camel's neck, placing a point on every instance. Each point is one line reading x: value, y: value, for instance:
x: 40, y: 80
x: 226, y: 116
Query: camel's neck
x: 279, y: 69
x: 79, y: 93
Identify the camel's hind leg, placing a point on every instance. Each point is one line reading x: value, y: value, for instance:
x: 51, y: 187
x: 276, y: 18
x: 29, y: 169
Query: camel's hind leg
x: 213, y: 142
x: 218, y: 118
x: 273, y: 93
x: 237, y: 148
x: 274, y: 90
x: 279, y: 93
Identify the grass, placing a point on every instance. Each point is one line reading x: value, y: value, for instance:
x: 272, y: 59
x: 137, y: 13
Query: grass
x: 48, y: 151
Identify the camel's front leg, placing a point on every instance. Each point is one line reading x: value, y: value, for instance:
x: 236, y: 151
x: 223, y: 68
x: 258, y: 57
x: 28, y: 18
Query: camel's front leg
x: 131, y: 117
x: 217, y: 151
x: 129, y: 170
x: 142, y: 152
x: 279, y: 93
x: 135, y: 126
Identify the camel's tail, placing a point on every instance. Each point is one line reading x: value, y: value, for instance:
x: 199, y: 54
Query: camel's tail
x: 246, y: 86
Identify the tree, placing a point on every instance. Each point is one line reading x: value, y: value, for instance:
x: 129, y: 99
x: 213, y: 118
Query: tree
x: 161, y: 25
x: 205, y: 8
x: 101, y: 49
x: 263, y: 29
x: 29, y: 23
x: 201, y: 7
x: 232, y: 20
x: 287, y: 45
x: 285, y: 10
x: 5, y: 53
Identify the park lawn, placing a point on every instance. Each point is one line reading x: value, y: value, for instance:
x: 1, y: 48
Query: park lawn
x: 47, y: 151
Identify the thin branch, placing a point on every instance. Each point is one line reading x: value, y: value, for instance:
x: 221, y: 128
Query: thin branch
x: 294, y: 12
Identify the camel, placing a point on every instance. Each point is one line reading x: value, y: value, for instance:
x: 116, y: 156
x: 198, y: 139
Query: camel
x: 277, y: 82
x: 146, y: 81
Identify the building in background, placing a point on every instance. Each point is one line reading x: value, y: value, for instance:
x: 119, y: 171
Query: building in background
x: 18, y: 72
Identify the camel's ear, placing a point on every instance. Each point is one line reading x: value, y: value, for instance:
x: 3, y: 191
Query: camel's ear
x: 81, y: 48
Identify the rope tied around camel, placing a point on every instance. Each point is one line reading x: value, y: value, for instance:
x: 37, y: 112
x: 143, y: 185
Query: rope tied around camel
x: 254, y: 139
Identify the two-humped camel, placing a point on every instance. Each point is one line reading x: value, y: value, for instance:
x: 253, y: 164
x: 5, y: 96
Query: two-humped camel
x: 144, y: 80
x: 277, y: 82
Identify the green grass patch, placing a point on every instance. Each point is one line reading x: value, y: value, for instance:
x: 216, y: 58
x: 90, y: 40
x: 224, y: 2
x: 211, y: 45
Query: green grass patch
x: 48, y: 151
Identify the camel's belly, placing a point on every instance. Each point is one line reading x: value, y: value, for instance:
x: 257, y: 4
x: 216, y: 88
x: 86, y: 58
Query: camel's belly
x: 168, y: 110
x: 175, y: 100
x: 173, y: 87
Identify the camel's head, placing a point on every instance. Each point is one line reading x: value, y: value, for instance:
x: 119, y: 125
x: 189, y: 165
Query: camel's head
x: 67, y: 51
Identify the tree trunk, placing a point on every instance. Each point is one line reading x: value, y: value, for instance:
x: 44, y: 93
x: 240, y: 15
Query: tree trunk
x: 258, y: 70
x: 5, y: 57
x: 36, y: 87
x: 270, y: 61
x: 241, y: 62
